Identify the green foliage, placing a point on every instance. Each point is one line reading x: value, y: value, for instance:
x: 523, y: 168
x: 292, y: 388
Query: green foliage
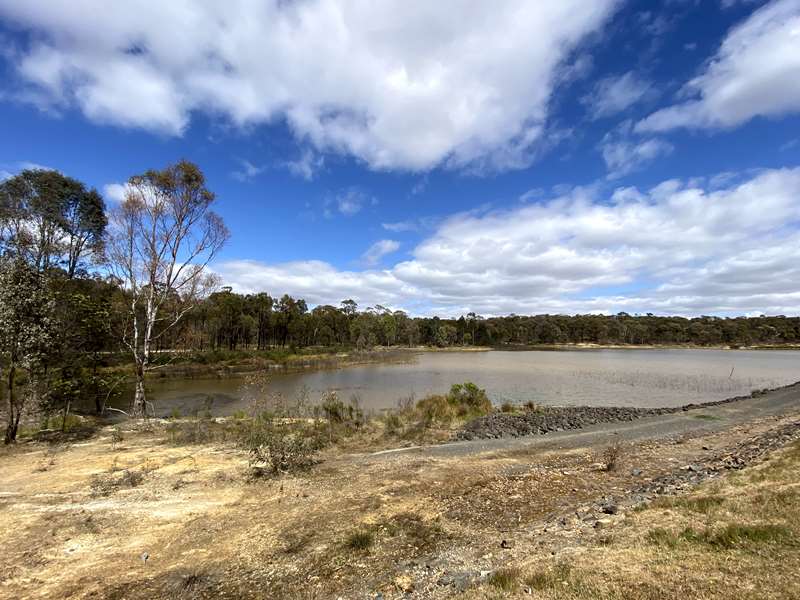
x: 68, y: 221
x: 436, y: 410
x: 342, y: 419
x: 543, y: 579
x: 470, y: 399
x: 463, y: 401
x: 732, y: 535
x: 26, y: 323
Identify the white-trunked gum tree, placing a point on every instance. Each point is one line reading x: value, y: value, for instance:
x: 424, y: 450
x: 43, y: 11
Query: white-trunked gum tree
x: 163, y: 236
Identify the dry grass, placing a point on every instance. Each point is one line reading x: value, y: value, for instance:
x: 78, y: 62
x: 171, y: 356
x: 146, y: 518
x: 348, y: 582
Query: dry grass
x: 735, y: 537
x: 355, y: 526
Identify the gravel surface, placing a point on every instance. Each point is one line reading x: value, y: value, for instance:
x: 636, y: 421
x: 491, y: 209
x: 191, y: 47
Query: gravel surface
x: 547, y: 419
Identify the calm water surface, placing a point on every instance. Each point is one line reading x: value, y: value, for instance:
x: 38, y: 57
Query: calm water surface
x: 647, y: 378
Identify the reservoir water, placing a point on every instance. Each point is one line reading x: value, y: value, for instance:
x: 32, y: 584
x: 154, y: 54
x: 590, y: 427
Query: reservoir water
x: 646, y: 378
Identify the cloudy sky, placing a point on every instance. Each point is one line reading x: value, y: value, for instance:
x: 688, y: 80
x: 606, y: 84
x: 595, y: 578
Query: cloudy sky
x: 442, y: 157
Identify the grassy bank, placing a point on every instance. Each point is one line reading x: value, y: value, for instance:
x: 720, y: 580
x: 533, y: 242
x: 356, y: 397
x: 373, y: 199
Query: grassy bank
x: 226, y: 363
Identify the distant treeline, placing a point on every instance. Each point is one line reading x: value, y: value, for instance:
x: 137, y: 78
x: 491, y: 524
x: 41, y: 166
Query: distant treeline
x: 231, y: 321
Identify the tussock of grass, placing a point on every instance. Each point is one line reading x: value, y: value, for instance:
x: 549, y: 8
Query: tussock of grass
x: 361, y: 540
x: 506, y: 579
x: 543, y: 579
x: 733, y: 535
x: 700, y: 504
x: 611, y: 456
x: 423, y: 535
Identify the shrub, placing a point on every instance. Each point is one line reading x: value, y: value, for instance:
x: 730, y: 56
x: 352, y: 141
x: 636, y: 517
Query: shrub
x: 393, y: 422
x: 611, y: 456
x: 116, y: 437
x: 103, y: 485
x: 360, y: 540
x: 507, y: 407
x: 422, y: 534
x: 333, y: 409
x: 281, y: 448
x: 470, y: 397
x: 343, y: 419
x: 435, y: 410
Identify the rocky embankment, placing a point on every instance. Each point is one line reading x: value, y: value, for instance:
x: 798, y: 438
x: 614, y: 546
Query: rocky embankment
x: 746, y: 453
x: 545, y: 419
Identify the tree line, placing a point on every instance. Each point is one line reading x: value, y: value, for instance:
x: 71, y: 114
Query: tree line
x: 229, y: 321
x: 81, y: 283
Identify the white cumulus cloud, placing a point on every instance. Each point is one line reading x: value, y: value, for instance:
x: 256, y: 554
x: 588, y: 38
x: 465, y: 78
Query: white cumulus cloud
x: 396, y: 84
x: 115, y: 193
x: 756, y: 72
x: 687, y: 248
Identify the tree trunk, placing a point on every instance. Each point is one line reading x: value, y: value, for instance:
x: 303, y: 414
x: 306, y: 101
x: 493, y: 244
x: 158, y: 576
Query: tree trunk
x: 13, y: 413
x: 139, y: 408
x: 66, y: 415
x: 98, y: 405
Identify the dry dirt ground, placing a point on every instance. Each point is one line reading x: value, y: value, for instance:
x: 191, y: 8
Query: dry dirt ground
x: 138, y: 518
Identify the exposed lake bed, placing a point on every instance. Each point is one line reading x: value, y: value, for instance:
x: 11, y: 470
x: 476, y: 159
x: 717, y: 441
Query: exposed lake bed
x: 645, y: 378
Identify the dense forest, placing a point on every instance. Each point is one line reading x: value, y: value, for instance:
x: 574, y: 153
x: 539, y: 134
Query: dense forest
x: 232, y: 321
x: 81, y: 285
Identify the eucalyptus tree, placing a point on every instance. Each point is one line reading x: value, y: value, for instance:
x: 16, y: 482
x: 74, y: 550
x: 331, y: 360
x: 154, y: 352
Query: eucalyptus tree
x: 26, y: 309
x: 51, y: 220
x: 163, y: 236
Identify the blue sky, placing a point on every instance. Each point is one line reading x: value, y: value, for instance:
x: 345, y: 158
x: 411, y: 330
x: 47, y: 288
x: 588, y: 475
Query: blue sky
x: 519, y: 157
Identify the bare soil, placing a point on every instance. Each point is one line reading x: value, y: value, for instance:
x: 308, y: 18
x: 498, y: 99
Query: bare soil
x: 142, y: 519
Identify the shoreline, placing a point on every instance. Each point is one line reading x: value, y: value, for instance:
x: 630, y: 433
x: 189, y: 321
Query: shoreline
x: 253, y: 361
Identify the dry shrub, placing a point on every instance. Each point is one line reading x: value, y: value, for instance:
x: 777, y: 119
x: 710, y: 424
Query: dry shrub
x: 435, y: 410
x: 611, y: 456
x: 106, y: 484
x: 281, y: 448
